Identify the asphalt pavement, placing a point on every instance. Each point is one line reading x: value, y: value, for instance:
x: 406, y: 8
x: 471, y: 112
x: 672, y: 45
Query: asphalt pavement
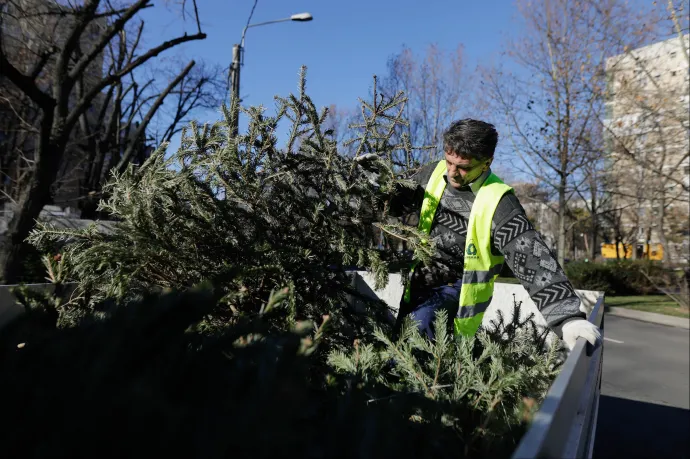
x: 644, y: 409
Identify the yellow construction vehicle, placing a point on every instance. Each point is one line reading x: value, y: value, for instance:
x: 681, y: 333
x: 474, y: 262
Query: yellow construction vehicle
x: 625, y: 251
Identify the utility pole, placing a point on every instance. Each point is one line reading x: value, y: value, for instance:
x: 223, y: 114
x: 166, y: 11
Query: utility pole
x: 237, y: 52
x: 235, y: 83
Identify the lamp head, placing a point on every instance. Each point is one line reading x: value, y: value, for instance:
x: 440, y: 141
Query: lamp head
x: 301, y: 17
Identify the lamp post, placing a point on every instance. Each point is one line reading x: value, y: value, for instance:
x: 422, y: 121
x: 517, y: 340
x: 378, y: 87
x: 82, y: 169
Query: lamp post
x: 237, y: 54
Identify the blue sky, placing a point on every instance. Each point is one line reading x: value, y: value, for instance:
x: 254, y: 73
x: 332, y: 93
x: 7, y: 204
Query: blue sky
x: 343, y: 47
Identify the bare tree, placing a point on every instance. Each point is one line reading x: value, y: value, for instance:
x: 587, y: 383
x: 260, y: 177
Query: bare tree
x: 18, y: 119
x: 118, y: 135
x: 552, y: 104
x: 537, y: 200
x: 438, y: 88
x: 593, y: 187
x: 85, y: 51
x: 339, y: 121
x: 647, y: 125
x: 203, y: 88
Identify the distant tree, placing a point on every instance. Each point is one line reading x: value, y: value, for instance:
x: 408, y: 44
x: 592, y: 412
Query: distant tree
x: 76, y: 53
x: 439, y: 88
x: 338, y: 121
x: 135, y: 118
x: 551, y: 103
x: 647, y: 125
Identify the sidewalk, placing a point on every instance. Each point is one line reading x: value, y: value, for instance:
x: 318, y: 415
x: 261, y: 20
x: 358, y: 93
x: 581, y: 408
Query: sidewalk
x: 652, y: 317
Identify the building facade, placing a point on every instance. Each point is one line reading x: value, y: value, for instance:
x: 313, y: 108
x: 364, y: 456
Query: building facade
x: 647, y: 130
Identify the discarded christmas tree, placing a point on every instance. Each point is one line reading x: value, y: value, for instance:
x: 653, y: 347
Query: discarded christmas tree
x: 147, y: 380
x: 264, y: 226
x: 247, y: 215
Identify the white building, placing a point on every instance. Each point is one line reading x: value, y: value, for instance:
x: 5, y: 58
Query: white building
x: 648, y: 133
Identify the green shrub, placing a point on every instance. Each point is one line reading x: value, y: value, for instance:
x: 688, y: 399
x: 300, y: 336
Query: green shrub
x: 623, y: 277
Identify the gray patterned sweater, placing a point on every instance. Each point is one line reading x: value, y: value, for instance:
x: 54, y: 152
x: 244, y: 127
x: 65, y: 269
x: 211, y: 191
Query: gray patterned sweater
x: 513, y: 236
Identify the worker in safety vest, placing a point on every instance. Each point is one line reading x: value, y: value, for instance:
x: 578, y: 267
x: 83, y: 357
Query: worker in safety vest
x: 478, y: 225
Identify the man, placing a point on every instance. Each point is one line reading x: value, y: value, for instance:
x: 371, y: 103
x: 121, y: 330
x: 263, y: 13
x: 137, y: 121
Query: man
x: 478, y: 224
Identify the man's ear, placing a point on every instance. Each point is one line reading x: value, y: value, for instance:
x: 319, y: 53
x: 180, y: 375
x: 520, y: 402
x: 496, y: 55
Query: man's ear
x: 488, y: 164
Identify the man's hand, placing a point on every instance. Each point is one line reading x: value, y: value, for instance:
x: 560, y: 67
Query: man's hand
x: 580, y: 329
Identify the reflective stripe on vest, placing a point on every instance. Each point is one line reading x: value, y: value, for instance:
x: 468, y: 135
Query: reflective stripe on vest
x: 481, y: 267
x: 432, y: 196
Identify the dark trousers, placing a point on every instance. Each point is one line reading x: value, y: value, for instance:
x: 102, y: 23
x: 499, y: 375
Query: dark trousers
x: 424, y: 307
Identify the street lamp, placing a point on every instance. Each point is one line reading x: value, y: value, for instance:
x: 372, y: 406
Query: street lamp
x: 238, y: 52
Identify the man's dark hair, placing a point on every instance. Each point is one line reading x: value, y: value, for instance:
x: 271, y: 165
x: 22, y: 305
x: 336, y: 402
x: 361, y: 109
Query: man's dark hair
x: 471, y: 139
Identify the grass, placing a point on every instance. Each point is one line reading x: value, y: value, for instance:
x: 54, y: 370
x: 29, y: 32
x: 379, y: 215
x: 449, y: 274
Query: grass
x: 660, y: 304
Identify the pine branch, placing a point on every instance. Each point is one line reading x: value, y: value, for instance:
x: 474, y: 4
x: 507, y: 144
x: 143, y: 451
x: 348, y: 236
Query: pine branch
x: 268, y: 230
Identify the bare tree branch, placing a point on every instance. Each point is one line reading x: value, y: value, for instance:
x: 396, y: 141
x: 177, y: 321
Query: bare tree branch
x: 84, y: 103
x: 106, y: 38
x: 25, y: 83
x: 147, y: 119
x: 77, y: 93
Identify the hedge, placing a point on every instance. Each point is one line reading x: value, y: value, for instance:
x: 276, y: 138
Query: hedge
x: 615, y: 278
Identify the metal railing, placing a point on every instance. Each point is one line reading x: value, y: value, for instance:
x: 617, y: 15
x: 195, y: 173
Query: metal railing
x: 565, y: 425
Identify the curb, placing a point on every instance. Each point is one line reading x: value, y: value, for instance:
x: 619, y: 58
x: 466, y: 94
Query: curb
x: 650, y: 317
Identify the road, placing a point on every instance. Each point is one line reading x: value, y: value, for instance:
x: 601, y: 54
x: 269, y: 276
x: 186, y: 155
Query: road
x: 644, y: 410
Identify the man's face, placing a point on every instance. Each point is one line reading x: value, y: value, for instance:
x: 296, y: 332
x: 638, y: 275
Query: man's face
x: 463, y: 171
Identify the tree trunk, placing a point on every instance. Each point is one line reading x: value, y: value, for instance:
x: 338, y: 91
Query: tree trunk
x: 36, y: 195
x: 561, y: 222
x: 595, y: 223
x: 647, y: 243
x: 595, y: 231
x: 86, y: 184
x: 14, y: 249
x: 89, y: 207
x: 93, y: 185
x: 662, y: 232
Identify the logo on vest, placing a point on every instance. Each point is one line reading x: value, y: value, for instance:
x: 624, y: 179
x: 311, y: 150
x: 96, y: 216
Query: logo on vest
x: 471, y: 251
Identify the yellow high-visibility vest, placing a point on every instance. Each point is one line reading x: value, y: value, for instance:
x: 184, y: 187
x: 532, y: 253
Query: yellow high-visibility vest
x: 481, y: 267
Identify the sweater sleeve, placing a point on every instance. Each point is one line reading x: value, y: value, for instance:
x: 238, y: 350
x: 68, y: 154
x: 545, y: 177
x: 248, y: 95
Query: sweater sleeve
x: 533, y: 263
x: 406, y: 202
